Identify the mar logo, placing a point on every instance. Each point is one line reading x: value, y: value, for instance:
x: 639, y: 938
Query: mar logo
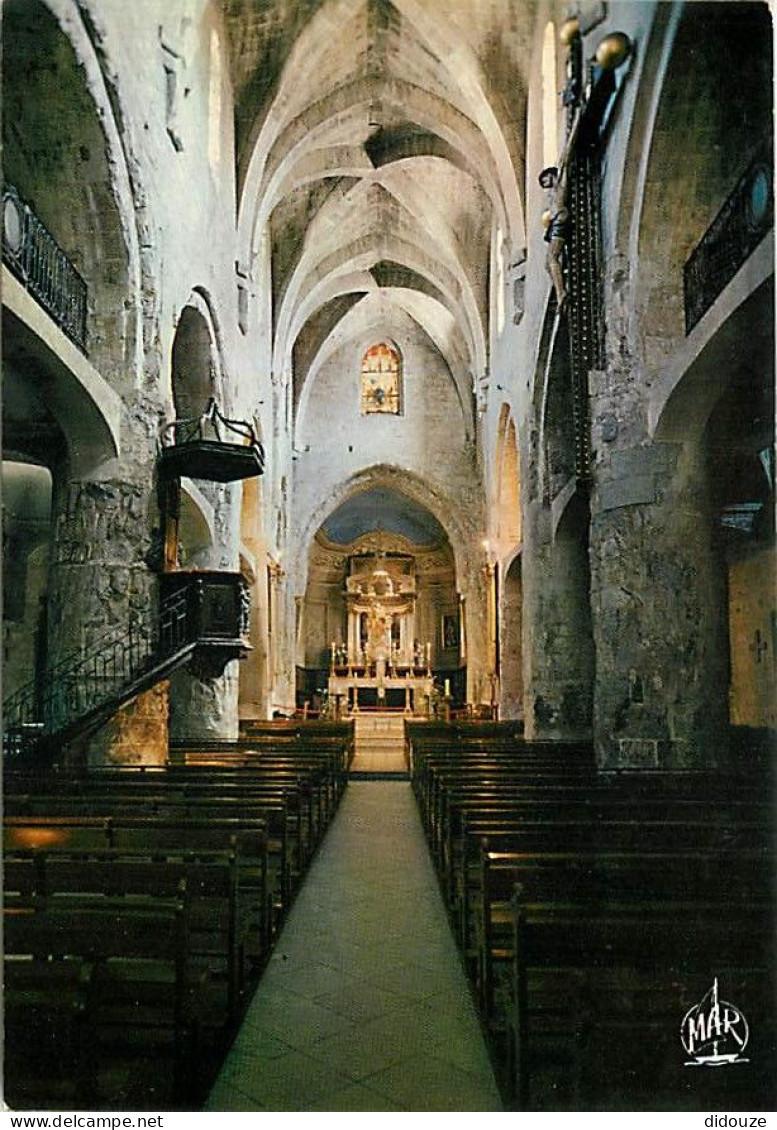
x: 714, y: 1032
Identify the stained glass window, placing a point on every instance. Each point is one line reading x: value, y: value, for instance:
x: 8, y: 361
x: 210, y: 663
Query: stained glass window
x: 381, y: 380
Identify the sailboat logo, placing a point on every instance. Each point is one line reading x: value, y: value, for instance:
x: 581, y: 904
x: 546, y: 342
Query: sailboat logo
x: 714, y: 1032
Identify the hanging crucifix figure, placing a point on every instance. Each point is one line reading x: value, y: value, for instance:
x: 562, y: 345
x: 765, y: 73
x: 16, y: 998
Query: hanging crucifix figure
x: 557, y: 218
x: 557, y: 230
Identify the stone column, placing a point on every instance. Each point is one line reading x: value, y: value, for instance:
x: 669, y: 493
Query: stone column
x: 253, y: 669
x: 203, y: 700
x: 99, y: 584
x: 660, y: 625
x: 558, y: 657
x: 474, y: 606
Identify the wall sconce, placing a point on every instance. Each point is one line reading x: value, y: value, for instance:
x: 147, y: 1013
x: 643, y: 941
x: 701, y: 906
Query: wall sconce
x: 613, y: 50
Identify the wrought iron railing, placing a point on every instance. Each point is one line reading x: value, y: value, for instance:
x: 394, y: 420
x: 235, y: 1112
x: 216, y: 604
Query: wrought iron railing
x: 83, y: 682
x: 210, y: 424
x: 209, y: 446
x: 40, y: 264
x: 736, y: 231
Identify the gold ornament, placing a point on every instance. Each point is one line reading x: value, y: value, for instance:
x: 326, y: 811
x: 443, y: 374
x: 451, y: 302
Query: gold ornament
x: 547, y: 216
x: 613, y: 50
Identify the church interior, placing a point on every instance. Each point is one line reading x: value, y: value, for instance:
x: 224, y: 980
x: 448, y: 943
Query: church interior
x: 389, y: 588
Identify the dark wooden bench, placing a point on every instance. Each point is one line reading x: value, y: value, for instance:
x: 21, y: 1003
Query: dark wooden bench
x: 599, y: 878
x: 122, y: 969
x: 597, y: 994
x: 224, y: 908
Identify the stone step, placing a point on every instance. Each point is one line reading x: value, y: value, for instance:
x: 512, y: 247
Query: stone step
x: 379, y: 743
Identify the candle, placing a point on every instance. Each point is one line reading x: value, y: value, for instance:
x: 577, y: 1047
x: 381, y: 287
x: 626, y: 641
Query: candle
x: 333, y: 653
x: 428, y: 651
x: 447, y: 688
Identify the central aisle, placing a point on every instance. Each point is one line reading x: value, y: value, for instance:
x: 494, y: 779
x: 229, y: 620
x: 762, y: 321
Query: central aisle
x: 364, y: 1005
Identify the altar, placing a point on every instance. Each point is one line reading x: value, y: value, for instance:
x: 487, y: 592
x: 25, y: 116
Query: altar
x: 413, y: 686
x: 381, y: 654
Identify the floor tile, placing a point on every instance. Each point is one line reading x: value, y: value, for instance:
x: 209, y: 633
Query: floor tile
x: 434, y: 1084
x: 364, y: 1005
x: 354, y: 1097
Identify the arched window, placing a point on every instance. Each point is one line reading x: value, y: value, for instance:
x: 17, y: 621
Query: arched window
x: 549, y: 98
x: 381, y: 380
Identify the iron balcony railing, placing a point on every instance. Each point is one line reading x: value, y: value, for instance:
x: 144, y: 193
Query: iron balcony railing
x: 34, y: 256
x: 742, y: 222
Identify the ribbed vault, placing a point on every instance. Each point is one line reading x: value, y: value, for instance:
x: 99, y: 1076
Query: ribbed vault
x: 380, y: 145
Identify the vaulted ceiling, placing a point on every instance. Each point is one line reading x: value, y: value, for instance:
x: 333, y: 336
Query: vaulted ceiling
x: 383, y: 509
x: 380, y: 144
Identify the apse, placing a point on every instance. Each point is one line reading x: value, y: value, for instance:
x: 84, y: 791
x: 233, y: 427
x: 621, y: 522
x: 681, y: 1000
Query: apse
x: 380, y: 623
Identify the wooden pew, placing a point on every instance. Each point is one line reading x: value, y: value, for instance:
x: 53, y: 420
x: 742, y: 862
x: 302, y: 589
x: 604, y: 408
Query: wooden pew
x: 608, y: 826
x: 599, y: 878
x: 596, y: 847
x: 136, y: 1020
x: 171, y: 823
x: 223, y: 913
x: 598, y: 994
x: 229, y: 843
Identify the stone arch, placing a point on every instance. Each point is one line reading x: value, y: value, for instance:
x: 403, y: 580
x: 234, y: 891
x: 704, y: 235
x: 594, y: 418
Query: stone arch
x: 508, y: 482
x: 511, y: 640
x: 27, y: 539
x: 556, y: 441
x: 349, y: 273
x: 558, y: 643
x: 572, y: 642
x: 682, y: 405
x: 500, y: 160
x: 399, y: 315
x: 195, y: 360
x: 452, y: 136
x: 65, y: 157
x: 502, y: 139
x: 714, y: 67
x: 363, y: 252
x: 722, y: 411
x: 460, y: 532
x: 373, y: 307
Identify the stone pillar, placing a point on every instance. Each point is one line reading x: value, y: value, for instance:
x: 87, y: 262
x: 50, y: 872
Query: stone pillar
x: 204, y: 700
x: 99, y: 579
x: 253, y: 669
x: 138, y: 734
x: 511, y: 651
x: 284, y: 674
x: 99, y: 584
x: 204, y: 703
x: 474, y: 606
x: 660, y: 625
x: 489, y: 583
x: 558, y: 658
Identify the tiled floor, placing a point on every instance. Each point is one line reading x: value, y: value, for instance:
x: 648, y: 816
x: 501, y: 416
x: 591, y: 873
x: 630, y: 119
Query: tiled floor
x: 364, y: 1005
